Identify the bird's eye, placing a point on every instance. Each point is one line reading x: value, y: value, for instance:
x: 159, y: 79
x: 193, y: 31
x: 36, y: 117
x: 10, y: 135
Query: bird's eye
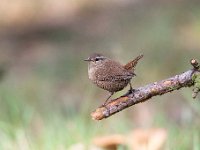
x: 97, y: 59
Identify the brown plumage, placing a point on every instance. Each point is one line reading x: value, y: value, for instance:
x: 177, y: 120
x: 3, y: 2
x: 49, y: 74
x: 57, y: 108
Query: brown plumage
x: 109, y: 74
x: 131, y: 65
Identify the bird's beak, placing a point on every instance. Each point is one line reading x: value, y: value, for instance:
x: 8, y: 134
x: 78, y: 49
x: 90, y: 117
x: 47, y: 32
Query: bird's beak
x: 87, y: 59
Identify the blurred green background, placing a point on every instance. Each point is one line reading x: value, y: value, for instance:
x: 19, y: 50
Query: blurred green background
x: 45, y: 95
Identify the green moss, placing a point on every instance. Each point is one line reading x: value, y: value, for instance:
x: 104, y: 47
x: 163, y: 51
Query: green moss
x: 172, y: 88
x: 196, y: 80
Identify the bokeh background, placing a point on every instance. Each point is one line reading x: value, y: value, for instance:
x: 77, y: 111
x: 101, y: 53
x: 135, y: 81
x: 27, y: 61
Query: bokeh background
x: 45, y: 95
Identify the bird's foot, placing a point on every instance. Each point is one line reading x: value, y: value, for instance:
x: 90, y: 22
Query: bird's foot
x: 103, y: 105
x: 131, y: 90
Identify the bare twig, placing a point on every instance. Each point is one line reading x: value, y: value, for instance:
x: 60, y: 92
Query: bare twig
x: 141, y: 94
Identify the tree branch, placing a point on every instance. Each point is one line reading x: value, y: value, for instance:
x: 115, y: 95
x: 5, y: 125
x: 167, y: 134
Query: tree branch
x: 142, y: 94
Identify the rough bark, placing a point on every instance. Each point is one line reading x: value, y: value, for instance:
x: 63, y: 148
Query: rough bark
x: 141, y: 94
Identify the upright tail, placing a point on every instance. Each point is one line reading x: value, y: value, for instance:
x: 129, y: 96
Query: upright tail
x: 131, y: 65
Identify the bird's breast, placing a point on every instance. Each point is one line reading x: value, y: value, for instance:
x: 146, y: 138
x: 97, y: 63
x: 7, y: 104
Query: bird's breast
x: 91, y: 73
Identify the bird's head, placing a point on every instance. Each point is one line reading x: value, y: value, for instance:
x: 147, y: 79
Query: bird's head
x: 96, y: 59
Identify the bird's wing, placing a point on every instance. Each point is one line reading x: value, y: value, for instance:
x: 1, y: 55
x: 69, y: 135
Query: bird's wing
x: 113, y: 71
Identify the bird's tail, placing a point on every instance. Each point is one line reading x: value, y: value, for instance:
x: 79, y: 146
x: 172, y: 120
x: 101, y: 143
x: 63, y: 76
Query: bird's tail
x: 131, y: 65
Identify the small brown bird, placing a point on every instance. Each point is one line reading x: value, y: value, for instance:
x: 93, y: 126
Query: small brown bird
x: 109, y: 74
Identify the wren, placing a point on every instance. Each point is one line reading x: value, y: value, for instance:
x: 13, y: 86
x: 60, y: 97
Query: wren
x: 110, y: 75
